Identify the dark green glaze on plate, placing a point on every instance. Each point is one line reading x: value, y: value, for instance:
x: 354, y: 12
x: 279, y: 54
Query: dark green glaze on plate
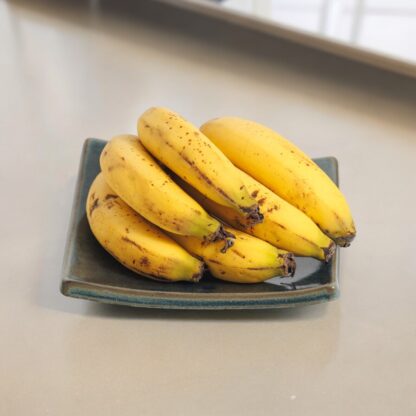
x: 89, y: 272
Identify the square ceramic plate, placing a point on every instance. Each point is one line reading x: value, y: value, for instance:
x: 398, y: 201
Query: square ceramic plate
x: 89, y: 272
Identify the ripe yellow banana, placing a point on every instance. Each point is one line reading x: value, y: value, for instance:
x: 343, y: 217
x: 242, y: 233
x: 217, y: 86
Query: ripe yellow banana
x: 133, y: 241
x: 286, y: 170
x: 249, y: 260
x: 142, y: 184
x: 283, y: 226
x: 187, y: 152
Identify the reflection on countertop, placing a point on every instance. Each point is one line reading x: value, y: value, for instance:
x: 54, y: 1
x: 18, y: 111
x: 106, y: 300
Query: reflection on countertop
x: 383, y: 26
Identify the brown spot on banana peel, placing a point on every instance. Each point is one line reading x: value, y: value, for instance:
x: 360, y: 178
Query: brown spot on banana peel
x: 110, y: 196
x: 144, y: 261
x: 261, y: 201
x: 273, y: 208
x: 127, y: 240
x: 238, y: 253
x: 94, y: 205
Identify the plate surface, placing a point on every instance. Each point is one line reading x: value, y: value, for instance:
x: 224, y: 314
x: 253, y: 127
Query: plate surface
x: 89, y: 272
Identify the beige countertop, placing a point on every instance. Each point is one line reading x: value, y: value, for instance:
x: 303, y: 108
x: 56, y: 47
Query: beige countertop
x: 71, y: 72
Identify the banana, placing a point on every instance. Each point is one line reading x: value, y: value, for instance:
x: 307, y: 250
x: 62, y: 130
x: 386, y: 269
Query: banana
x: 283, y: 226
x: 186, y: 151
x: 249, y: 260
x: 142, y: 184
x: 133, y: 241
x: 286, y: 170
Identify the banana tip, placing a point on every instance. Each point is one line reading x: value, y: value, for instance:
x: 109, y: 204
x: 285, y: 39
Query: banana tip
x: 329, y: 251
x: 289, y: 264
x: 222, y: 235
x: 229, y: 242
x: 345, y: 240
x: 253, y: 214
x: 197, y: 276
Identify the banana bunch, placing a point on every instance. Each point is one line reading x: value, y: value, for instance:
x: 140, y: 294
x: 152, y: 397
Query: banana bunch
x: 165, y: 201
